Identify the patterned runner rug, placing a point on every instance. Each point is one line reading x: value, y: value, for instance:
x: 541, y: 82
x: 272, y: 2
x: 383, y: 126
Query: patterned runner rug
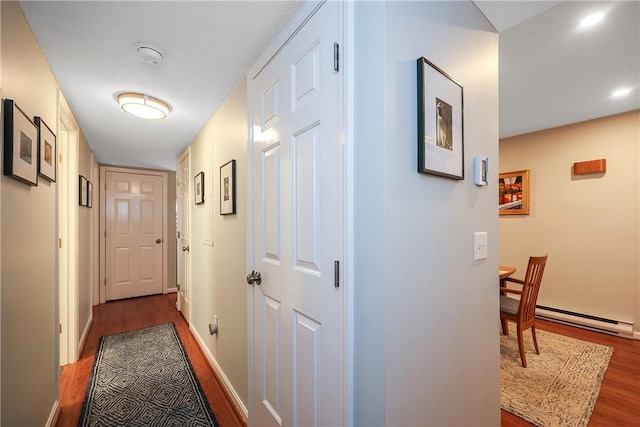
x: 559, y: 387
x: 144, y: 378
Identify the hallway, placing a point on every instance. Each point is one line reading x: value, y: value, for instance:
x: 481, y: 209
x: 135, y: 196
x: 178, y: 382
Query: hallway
x: 124, y: 315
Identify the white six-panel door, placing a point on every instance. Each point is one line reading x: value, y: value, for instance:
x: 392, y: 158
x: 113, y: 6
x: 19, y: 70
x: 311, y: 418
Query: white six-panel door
x: 184, y: 205
x: 298, y: 231
x: 134, y: 235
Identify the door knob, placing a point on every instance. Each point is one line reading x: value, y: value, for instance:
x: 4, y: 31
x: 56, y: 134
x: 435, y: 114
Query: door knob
x: 254, y: 277
x: 158, y: 240
x: 185, y: 249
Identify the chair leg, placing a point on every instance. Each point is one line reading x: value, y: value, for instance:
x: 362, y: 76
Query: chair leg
x: 505, y: 327
x: 521, y: 346
x: 535, y: 341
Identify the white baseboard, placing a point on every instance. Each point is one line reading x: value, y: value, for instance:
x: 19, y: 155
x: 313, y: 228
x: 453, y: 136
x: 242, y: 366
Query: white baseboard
x: 636, y: 335
x: 53, y: 416
x: 231, y: 392
x: 85, y: 334
x: 172, y: 290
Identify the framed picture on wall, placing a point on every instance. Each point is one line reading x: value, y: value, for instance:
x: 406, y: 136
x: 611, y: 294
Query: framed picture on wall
x: 20, y: 145
x: 47, y: 149
x: 513, y: 193
x: 198, y: 188
x: 440, y: 123
x: 89, y: 194
x: 82, y: 191
x: 228, y: 188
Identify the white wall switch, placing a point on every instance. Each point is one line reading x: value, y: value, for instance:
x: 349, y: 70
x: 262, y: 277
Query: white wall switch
x: 480, y: 245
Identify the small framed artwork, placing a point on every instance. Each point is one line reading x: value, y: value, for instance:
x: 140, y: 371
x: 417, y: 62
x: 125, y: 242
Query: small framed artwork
x: 47, y: 150
x: 440, y: 123
x: 89, y: 194
x: 82, y: 191
x: 513, y: 193
x: 20, y: 145
x: 198, y: 188
x: 228, y: 188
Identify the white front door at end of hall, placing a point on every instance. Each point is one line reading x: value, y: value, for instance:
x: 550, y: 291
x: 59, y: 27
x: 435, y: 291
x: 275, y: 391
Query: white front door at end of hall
x: 298, y: 303
x: 134, y: 228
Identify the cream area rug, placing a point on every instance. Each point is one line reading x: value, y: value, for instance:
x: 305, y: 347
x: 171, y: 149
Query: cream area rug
x: 559, y: 387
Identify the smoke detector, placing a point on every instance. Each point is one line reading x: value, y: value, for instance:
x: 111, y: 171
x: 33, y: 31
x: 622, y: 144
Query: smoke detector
x: 149, y: 54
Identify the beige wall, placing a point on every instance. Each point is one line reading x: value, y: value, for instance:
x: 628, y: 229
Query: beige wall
x: 218, y: 285
x: 29, y: 291
x: 589, y: 224
x: 85, y: 230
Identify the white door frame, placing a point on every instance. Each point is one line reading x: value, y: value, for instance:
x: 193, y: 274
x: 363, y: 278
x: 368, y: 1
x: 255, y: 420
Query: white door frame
x: 67, y: 210
x: 304, y: 13
x: 103, y: 225
x: 179, y: 214
x: 95, y: 234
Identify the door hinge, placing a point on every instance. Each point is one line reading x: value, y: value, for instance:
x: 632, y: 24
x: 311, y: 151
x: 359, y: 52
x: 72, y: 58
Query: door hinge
x: 336, y: 274
x: 59, y: 157
x: 59, y: 243
x: 336, y: 57
x: 178, y: 285
x: 59, y: 328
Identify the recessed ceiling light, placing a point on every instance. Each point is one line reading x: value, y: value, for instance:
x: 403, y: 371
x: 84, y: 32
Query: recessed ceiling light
x: 621, y: 92
x: 143, y: 106
x: 592, y: 19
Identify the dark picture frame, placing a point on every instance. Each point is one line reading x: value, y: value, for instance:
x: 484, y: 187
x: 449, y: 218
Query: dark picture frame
x: 198, y: 188
x: 47, y: 150
x: 228, y: 188
x: 82, y: 191
x: 20, y: 144
x: 89, y: 194
x: 440, y: 122
x: 513, y: 193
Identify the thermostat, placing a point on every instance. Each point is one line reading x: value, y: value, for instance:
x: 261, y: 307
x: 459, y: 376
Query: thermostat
x: 481, y: 170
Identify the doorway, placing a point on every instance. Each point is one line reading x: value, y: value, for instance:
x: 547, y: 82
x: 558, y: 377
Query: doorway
x: 67, y: 189
x: 134, y: 228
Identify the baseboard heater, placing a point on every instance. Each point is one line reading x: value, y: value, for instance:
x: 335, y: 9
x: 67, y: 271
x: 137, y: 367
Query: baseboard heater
x: 585, y: 321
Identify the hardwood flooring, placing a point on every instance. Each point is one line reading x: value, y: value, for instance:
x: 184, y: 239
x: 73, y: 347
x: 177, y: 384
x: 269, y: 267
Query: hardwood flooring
x: 619, y: 401
x: 119, y: 316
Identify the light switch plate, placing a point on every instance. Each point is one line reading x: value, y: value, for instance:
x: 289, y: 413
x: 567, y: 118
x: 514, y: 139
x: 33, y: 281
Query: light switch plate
x: 480, y: 245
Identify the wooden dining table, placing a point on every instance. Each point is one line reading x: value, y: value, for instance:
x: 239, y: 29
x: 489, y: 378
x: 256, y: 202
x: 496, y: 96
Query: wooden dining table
x: 506, y: 271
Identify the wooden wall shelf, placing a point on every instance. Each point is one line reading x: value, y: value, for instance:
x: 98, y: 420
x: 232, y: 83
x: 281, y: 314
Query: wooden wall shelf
x: 591, y: 166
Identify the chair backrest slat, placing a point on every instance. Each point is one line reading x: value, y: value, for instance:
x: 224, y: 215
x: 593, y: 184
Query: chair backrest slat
x: 531, y: 288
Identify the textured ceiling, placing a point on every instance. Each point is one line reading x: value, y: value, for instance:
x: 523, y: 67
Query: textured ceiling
x: 506, y: 14
x: 551, y: 74
x: 207, y: 45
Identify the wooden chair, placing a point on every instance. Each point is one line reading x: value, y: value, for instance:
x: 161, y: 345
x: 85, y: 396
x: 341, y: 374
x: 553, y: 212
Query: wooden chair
x: 523, y: 311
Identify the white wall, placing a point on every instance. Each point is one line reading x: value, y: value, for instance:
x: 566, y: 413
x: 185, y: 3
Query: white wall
x: 589, y: 224
x: 420, y: 299
x: 218, y: 285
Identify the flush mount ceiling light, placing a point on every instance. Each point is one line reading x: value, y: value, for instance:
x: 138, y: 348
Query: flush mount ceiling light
x: 144, y: 106
x: 592, y: 19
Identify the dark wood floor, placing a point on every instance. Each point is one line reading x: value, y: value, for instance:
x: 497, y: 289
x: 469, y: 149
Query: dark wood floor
x: 619, y: 401
x: 120, y: 316
x: 617, y: 405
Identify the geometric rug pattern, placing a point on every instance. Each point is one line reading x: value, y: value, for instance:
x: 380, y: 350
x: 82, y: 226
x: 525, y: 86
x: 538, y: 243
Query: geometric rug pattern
x: 144, y: 378
x: 560, y: 386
